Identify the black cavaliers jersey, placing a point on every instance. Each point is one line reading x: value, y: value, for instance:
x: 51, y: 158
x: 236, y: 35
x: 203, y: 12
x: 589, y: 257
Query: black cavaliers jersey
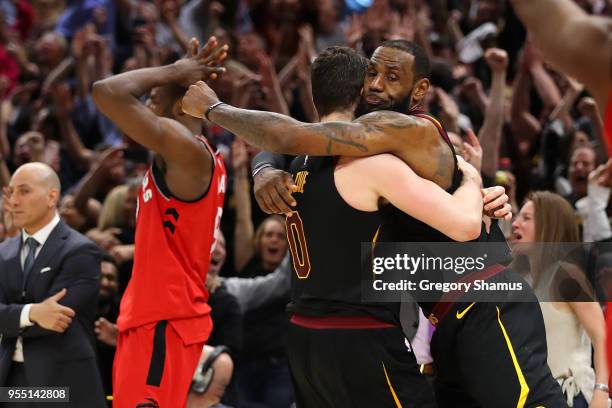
x: 325, y: 236
x: 398, y: 226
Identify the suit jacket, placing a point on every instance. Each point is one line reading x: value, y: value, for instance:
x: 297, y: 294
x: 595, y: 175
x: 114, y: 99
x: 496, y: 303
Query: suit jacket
x: 66, y: 260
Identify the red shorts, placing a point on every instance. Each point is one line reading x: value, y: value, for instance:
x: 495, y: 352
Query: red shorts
x: 153, y: 367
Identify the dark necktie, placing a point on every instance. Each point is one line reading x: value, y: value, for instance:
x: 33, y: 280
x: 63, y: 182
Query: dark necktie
x: 32, y: 245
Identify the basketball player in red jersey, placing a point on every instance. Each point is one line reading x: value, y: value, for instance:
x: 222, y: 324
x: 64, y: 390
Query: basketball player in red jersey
x: 581, y: 46
x: 164, y: 317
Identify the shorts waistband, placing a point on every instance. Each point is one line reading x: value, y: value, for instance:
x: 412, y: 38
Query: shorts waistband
x: 339, y: 322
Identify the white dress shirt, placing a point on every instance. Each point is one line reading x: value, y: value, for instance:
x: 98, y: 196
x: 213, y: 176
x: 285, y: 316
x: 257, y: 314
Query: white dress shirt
x: 41, y: 237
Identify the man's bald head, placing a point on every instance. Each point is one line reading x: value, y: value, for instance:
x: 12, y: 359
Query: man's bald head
x: 41, y: 173
x: 34, y: 193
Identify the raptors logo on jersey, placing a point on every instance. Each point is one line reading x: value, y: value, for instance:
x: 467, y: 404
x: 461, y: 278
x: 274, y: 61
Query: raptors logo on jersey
x: 174, y: 242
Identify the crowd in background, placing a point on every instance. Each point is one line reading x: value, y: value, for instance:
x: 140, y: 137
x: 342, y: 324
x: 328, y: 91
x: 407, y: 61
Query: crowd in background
x: 525, y: 125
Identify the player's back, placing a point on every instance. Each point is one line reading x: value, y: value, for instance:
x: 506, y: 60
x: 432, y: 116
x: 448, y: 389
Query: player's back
x: 325, y: 236
x: 174, y: 242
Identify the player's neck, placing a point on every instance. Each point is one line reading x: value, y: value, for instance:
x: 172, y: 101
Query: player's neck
x: 346, y: 116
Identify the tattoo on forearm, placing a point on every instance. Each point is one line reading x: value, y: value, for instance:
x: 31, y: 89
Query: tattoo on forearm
x: 263, y: 128
x: 341, y: 133
x: 247, y: 124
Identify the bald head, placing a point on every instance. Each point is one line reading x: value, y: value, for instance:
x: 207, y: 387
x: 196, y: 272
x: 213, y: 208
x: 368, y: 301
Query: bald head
x: 34, y: 193
x: 41, y: 174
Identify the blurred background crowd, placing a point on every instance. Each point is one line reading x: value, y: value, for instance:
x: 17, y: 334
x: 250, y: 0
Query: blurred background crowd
x: 525, y: 125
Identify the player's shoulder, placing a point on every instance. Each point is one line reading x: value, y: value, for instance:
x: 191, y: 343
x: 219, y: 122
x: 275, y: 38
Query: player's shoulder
x: 384, y: 163
x: 179, y: 133
x: 174, y: 127
x: 394, y: 119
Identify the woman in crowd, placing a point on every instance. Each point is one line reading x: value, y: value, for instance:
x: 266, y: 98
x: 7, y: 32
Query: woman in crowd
x: 573, y: 323
x: 262, y: 371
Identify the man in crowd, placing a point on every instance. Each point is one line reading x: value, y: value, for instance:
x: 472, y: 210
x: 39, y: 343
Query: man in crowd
x: 48, y: 294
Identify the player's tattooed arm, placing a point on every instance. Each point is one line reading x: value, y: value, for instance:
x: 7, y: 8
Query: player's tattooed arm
x: 380, y: 132
x: 415, y: 140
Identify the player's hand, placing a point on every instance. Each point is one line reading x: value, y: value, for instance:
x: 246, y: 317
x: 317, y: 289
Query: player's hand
x: 200, y: 64
x: 273, y: 189
x: 496, y: 204
x: 470, y: 173
x: 50, y: 315
x: 106, y: 332
x: 198, y: 99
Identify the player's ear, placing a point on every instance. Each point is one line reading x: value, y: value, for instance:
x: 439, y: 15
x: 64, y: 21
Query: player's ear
x: 420, y: 90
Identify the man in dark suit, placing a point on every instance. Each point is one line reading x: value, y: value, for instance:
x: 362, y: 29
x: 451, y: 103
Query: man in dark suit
x: 49, y: 281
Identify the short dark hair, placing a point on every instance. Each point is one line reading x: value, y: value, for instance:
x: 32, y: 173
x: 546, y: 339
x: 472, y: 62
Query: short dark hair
x: 337, y: 76
x: 421, y: 66
x: 106, y: 257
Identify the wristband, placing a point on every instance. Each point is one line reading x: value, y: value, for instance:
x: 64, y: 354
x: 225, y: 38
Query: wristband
x: 210, y: 109
x: 602, y: 387
x: 260, y: 168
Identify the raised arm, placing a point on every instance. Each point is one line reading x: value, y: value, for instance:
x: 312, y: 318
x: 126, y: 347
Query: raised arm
x: 243, y: 228
x: 411, y: 138
x: 561, y: 29
x: 491, y: 131
x: 187, y: 165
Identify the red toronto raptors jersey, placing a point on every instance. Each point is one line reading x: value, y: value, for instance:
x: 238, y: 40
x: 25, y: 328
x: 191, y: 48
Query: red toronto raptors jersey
x: 174, y: 242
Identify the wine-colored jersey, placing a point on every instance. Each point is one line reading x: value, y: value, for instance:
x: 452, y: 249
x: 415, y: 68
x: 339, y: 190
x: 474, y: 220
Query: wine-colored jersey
x: 174, y: 242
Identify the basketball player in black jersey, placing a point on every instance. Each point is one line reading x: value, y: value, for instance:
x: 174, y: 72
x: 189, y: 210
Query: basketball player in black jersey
x: 397, y: 74
x: 342, y: 351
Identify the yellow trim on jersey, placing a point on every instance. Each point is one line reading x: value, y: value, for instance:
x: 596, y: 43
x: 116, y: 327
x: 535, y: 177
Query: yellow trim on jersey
x: 436, y: 121
x: 519, y: 372
x: 398, y: 404
x: 303, y: 245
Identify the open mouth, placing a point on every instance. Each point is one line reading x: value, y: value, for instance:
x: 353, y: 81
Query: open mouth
x: 374, y: 100
x: 273, y: 251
